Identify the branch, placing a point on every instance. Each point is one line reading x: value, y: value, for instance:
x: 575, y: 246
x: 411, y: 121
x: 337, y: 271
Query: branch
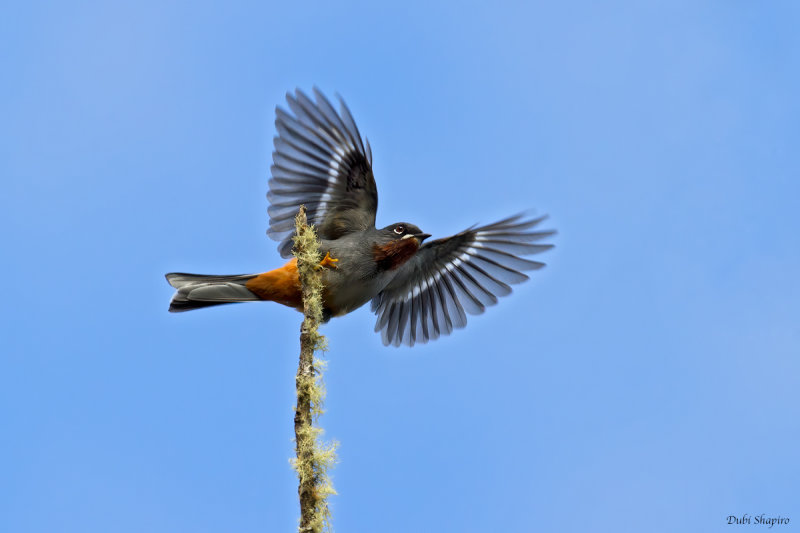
x: 313, y: 457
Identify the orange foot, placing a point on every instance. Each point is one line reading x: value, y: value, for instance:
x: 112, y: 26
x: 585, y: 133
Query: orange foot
x: 328, y: 261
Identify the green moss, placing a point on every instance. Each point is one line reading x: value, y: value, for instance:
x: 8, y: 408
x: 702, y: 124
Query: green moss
x: 314, y: 458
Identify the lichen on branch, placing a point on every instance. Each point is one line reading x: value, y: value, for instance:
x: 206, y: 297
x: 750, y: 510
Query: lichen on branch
x: 314, y: 457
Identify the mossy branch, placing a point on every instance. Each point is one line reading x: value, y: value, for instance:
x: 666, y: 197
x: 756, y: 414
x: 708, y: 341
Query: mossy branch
x: 314, y: 457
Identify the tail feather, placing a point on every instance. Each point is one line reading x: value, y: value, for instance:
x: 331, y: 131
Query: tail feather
x: 195, y: 291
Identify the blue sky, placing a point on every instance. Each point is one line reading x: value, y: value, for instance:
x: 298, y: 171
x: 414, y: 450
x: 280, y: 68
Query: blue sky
x: 647, y: 380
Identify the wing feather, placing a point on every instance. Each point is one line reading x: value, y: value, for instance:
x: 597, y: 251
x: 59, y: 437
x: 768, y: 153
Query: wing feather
x: 319, y: 161
x: 448, y: 278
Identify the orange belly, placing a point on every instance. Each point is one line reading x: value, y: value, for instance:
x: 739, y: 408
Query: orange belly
x: 281, y: 285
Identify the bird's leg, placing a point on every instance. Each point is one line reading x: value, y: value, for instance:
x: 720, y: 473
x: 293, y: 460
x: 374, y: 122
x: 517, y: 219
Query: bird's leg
x: 328, y: 261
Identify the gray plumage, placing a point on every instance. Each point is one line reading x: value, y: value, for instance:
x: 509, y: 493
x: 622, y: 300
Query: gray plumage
x: 195, y: 291
x: 447, y: 279
x: 419, y: 292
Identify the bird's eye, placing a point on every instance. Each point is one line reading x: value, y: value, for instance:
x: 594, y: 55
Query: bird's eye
x: 399, y: 229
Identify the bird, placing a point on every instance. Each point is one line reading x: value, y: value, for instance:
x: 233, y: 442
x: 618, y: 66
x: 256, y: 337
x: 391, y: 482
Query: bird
x: 419, y: 290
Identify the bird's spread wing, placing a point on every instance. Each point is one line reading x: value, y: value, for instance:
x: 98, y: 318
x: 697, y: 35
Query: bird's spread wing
x: 319, y: 161
x: 448, y: 278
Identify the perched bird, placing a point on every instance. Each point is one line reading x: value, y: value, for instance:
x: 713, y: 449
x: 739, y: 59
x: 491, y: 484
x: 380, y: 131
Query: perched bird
x: 418, y: 291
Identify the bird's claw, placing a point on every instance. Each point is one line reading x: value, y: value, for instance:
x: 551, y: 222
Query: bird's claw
x: 328, y: 261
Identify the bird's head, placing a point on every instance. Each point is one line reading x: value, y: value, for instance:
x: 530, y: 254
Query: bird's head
x: 396, y: 244
x: 400, y: 231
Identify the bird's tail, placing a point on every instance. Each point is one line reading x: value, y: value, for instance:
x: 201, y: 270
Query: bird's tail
x: 196, y: 290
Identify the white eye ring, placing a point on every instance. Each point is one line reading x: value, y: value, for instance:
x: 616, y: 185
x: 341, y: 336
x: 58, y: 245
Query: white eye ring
x: 399, y: 230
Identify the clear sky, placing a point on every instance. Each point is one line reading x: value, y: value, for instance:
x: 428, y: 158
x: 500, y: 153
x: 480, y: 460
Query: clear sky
x: 647, y: 380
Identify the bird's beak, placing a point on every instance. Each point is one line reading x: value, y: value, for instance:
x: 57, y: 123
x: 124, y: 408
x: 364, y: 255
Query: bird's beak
x: 422, y: 236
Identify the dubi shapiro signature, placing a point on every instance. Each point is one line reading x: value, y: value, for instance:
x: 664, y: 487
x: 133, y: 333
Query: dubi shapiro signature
x: 761, y: 520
